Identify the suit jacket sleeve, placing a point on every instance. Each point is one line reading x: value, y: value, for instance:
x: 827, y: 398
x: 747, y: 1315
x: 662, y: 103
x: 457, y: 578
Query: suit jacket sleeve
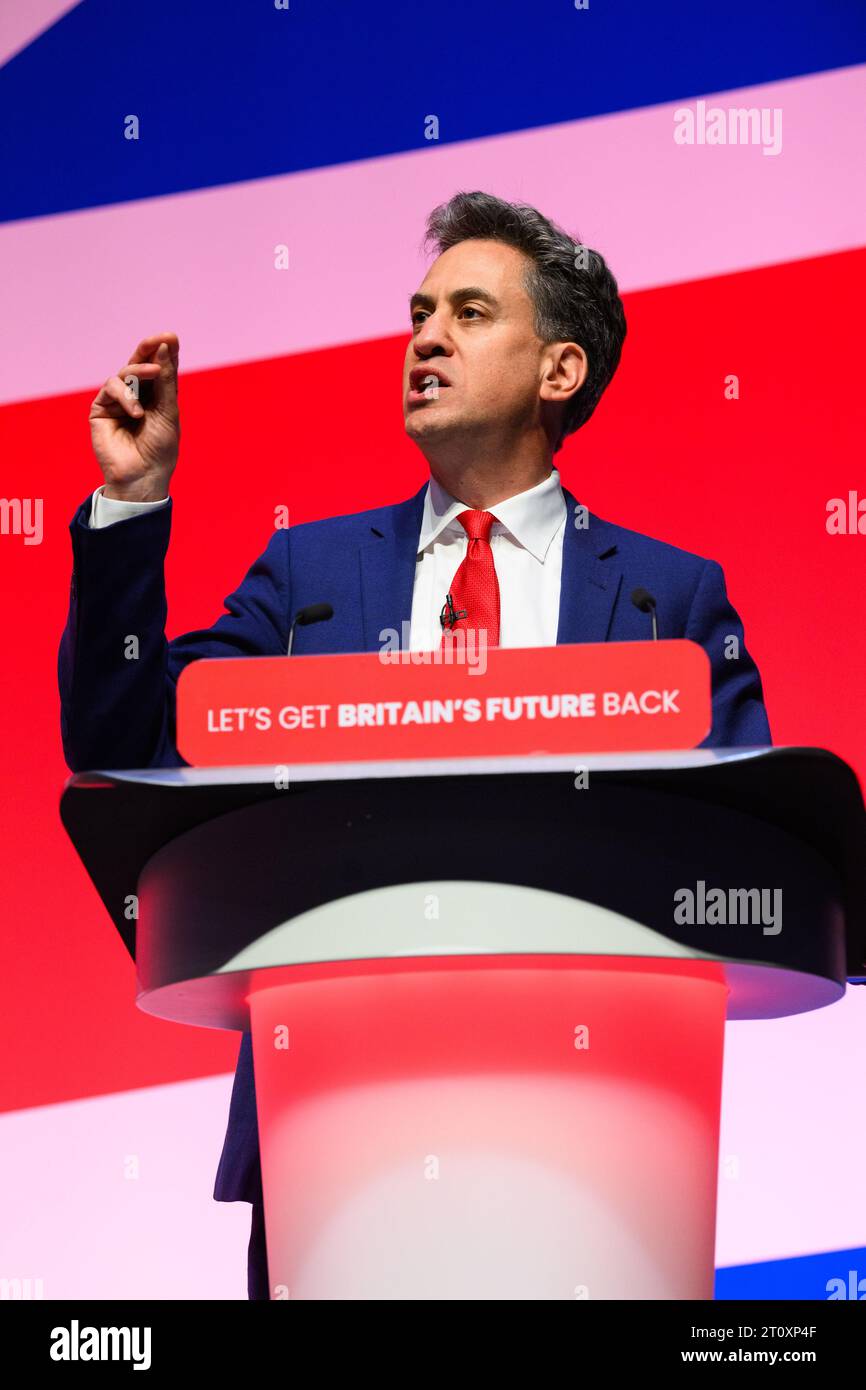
x: 118, y: 695
x: 739, y: 713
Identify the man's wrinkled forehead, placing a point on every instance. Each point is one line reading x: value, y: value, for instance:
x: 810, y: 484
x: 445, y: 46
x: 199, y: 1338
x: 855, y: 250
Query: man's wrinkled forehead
x: 489, y: 272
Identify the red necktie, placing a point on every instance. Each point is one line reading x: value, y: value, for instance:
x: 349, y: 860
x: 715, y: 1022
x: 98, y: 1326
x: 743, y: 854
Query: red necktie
x: 475, y: 589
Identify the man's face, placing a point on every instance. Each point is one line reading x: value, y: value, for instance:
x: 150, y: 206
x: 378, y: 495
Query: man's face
x: 473, y: 326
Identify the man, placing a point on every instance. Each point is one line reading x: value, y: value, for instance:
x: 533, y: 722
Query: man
x: 515, y: 334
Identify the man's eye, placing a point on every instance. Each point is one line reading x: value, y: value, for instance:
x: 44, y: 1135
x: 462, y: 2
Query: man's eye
x: 420, y: 314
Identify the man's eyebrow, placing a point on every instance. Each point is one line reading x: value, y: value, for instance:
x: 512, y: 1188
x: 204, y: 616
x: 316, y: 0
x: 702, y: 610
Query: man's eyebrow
x: 423, y: 301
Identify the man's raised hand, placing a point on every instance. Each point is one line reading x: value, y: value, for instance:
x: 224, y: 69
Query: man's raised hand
x: 135, y: 422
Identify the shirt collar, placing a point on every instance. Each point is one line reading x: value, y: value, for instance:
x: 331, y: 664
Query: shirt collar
x: 532, y: 517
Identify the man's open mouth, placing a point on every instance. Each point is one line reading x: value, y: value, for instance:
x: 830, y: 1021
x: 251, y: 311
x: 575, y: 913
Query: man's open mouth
x: 426, y: 387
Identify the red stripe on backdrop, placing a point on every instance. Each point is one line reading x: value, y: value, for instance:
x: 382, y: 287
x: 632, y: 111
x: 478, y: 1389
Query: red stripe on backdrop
x: 744, y: 481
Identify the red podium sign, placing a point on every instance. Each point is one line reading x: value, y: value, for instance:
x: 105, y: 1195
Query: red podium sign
x: 370, y: 706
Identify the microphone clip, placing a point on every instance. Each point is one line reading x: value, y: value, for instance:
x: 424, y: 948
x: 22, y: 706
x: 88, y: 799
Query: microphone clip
x: 449, y: 616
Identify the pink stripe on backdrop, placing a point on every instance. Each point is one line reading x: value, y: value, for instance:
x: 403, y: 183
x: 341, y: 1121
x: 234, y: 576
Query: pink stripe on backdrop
x: 793, y: 1152
x: 793, y: 1142
x: 75, y: 1214
x: 82, y: 288
x: 22, y: 21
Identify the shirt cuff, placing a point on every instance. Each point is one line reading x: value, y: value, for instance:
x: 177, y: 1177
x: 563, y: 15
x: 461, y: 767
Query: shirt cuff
x: 104, y: 511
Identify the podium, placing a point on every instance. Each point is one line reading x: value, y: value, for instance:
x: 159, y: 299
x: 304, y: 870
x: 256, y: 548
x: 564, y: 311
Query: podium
x: 487, y: 996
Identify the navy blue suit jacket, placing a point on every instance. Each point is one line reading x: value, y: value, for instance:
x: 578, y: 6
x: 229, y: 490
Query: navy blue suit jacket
x: 117, y: 713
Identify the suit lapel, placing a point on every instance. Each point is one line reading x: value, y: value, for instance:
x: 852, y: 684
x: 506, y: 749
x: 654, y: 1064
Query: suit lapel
x: 388, y: 571
x: 590, y: 579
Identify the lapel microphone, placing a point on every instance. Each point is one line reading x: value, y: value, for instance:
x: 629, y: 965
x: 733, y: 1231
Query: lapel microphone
x: 449, y: 616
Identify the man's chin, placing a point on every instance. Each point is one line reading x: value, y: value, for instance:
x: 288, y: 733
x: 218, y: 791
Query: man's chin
x: 421, y: 423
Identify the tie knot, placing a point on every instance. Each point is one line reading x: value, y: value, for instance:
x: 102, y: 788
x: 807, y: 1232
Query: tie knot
x: 477, y: 524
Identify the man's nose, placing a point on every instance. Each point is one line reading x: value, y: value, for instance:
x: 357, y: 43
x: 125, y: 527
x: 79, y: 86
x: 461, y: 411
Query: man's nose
x: 431, y: 336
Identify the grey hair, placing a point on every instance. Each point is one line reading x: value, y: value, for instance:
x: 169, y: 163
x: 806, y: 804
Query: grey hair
x: 575, y: 296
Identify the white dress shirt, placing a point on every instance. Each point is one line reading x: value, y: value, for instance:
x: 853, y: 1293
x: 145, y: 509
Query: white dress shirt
x: 525, y: 539
x: 526, y: 542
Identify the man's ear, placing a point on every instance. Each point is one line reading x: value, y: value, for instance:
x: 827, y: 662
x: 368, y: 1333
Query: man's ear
x: 566, y: 369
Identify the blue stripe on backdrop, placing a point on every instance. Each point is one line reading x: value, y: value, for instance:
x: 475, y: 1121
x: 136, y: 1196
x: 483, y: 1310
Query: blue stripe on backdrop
x: 807, y: 1276
x: 228, y: 91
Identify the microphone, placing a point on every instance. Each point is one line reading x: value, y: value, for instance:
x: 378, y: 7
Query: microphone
x: 449, y: 615
x: 313, y: 613
x: 643, y: 599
